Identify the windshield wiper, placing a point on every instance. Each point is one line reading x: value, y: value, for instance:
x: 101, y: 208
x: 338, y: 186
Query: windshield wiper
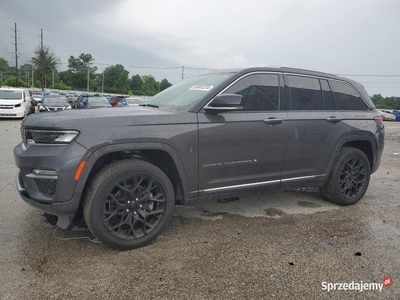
x: 149, y: 105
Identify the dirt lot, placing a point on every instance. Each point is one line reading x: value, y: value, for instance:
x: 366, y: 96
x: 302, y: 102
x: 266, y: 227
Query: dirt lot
x: 257, y: 246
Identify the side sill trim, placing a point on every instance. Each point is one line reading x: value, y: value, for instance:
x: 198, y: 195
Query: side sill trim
x: 231, y: 187
x: 298, y: 178
x: 240, y: 186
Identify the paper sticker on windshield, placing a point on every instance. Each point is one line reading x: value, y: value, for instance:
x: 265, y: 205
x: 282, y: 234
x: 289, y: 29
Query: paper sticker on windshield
x: 204, y: 88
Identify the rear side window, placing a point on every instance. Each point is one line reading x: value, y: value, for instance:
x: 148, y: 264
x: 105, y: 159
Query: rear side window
x: 260, y: 92
x: 347, y: 97
x: 305, y: 93
x: 329, y: 103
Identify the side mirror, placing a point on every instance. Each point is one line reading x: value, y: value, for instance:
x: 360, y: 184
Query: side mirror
x: 225, y: 102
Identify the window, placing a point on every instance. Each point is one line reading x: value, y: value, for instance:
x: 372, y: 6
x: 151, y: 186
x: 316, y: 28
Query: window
x: 260, y: 92
x: 305, y: 93
x: 347, y: 98
x: 329, y: 104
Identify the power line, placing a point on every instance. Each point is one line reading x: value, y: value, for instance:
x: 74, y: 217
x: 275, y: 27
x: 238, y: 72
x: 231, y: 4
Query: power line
x: 368, y: 75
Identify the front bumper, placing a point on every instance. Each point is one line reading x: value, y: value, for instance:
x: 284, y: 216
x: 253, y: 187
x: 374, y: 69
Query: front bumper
x: 65, y: 211
x: 16, y: 112
x: 54, y: 195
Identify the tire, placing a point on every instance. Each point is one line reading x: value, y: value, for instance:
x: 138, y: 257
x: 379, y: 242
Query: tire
x: 349, y: 177
x: 128, y: 204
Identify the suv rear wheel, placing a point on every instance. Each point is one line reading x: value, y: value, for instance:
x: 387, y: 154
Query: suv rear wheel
x: 128, y: 204
x: 349, y: 177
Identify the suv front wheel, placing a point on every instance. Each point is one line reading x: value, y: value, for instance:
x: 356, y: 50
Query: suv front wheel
x: 349, y: 177
x: 128, y: 204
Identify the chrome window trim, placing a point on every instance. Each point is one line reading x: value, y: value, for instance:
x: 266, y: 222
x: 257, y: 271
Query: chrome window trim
x: 328, y: 79
x: 243, y: 76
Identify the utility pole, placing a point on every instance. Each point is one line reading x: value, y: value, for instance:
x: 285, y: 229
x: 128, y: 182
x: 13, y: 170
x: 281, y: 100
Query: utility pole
x: 88, y: 78
x: 41, y: 59
x: 52, y: 82
x: 32, y: 77
x: 16, y: 53
x: 102, y: 84
x: 183, y: 70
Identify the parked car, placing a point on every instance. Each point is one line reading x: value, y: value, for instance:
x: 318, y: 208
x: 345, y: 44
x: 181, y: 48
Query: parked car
x: 387, y: 116
x: 54, y: 102
x: 134, y: 101
x: 15, y: 103
x: 97, y: 102
x: 37, y: 97
x: 124, y: 169
x: 396, y: 114
x: 116, y: 100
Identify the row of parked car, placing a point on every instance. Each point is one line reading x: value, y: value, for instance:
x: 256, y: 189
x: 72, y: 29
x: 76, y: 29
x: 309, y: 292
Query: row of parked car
x: 20, y: 102
x: 390, y: 115
x: 55, y: 102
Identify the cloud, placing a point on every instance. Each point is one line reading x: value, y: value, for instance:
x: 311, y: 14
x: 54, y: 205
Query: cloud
x: 332, y: 36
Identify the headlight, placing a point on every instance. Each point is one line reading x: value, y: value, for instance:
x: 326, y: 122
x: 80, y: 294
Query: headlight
x: 42, y: 108
x: 18, y: 105
x: 53, y: 136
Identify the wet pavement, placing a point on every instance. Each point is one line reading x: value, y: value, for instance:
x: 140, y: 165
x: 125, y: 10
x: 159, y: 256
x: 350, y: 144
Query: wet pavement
x: 259, y: 245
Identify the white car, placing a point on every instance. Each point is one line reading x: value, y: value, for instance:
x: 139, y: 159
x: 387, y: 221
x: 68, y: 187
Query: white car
x: 134, y: 101
x: 387, y: 116
x: 15, y: 103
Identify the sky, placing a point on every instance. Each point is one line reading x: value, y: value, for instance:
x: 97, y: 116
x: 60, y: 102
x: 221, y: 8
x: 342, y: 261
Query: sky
x: 158, y: 37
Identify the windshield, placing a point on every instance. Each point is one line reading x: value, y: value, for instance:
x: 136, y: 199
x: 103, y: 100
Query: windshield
x: 55, y: 100
x: 188, y: 91
x: 10, y: 95
x: 98, y: 100
x: 134, y: 100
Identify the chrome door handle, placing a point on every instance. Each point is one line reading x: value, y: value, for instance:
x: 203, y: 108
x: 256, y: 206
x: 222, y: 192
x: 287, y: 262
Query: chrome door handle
x: 333, y: 119
x: 273, y: 121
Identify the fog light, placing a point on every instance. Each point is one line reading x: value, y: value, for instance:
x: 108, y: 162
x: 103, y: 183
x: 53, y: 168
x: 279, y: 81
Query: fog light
x: 44, y: 172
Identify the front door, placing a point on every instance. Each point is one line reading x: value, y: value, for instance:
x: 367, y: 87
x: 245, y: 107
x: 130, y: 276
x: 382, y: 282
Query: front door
x: 244, y: 148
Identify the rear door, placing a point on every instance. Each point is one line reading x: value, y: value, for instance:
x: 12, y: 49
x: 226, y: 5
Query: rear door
x: 314, y: 128
x: 244, y: 148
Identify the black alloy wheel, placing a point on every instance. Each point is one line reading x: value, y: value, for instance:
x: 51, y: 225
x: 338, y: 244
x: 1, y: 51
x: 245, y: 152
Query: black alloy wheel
x: 352, y: 177
x: 349, y: 177
x: 133, y: 207
x: 128, y: 204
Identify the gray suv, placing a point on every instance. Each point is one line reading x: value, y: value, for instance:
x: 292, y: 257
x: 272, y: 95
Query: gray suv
x: 123, y: 169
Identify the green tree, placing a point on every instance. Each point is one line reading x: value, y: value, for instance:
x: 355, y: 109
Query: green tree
x: 12, y: 81
x: 4, y: 67
x: 45, y: 62
x: 62, y: 86
x: 164, y: 84
x: 78, y: 68
x: 5, y: 70
x: 116, y: 79
x: 137, y: 85
x: 150, y: 85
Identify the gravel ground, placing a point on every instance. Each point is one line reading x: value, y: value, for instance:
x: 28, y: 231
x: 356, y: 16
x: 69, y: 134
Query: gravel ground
x: 259, y: 245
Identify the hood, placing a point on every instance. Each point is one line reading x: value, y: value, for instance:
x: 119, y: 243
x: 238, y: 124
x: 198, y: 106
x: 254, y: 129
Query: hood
x: 10, y: 102
x: 80, y: 119
x: 55, y: 104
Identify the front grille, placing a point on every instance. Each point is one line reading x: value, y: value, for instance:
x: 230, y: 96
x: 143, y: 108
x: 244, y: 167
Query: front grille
x: 46, y: 187
x: 8, y: 115
x: 6, y: 106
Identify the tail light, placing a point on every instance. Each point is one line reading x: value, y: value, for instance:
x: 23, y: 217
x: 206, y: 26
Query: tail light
x: 378, y: 120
